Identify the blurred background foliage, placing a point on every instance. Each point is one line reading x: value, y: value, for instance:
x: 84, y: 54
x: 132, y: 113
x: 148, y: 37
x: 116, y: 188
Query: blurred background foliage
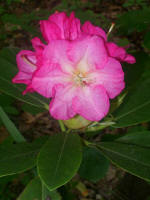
x: 19, y: 22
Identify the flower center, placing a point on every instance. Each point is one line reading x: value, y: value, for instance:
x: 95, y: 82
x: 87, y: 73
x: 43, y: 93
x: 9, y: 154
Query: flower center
x: 80, y: 79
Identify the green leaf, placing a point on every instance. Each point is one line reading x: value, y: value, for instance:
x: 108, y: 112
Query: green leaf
x: 130, y: 152
x: 32, y: 191
x: 59, y: 159
x: 94, y: 165
x: 135, y: 20
x: 8, y: 70
x: 16, y: 158
x: 135, y: 108
x: 11, y: 127
x: 36, y: 191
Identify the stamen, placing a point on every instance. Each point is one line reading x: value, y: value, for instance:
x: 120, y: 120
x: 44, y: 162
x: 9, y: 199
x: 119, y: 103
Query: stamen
x: 111, y: 28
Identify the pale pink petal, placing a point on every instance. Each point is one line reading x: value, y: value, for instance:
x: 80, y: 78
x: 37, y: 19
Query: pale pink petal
x: 26, y: 61
x: 93, y: 30
x: 111, y: 77
x: 92, y: 103
x: 88, y: 52
x: 119, y: 53
x: 61, y: 105
x: 46, y: 77
x: 50, y: 30
x: 56, y: 52
x: 72, y: 27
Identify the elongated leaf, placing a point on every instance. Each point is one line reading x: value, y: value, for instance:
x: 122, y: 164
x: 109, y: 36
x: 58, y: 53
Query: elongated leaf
x: 8, y: 70
x: 11, y: 127
x: 19, y: 157
x: 94, y: 165
x: 59, y: 159
x: 36, y: 191
x: 135, y: 108
x: 131, y: 152
x: 32, y: 191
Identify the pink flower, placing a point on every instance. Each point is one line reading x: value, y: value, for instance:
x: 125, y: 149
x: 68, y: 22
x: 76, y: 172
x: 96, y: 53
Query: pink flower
x: 77, y: 68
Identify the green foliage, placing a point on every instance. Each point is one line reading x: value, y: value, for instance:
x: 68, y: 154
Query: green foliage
x: 135, y: 20
x: 59, y: 159
x: 7, y: 71
x: 94, y: 165
x: 36, y: 190
x: 16, y: 158
x: 130, y: 152
x: 136, y: 106
x: 16, y: 135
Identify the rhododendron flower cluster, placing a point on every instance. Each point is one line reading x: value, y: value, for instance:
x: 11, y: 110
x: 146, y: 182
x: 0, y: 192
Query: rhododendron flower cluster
x: 77, y: 68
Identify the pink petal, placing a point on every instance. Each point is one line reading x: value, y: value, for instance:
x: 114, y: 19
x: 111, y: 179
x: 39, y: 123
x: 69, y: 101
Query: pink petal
x: 89, y: 51
x: 50, y: 30
x: 61, y: 105
x: 37, y: 44
x: 111, y: 77
x: 46, y: 77
x: 92, y: 103
x: 26, y: 61
x: 119, y: 53
x: 39, y: 47
x: 59, y: 19
x: 130, y: 59
x: 56, y: 52
x: 72, y: 28
x: 93, y: 30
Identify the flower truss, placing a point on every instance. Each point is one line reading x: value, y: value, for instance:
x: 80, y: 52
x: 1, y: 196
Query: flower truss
x: 77, y: 68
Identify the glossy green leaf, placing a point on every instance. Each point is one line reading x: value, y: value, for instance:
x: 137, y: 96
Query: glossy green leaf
x: 14, y: 132
x: 94, y: 165
x: 16, y: 158
x: 35, y: 190
x: 59, y: 159
x: 32, y: 191
x: 8, y: 70
x: 135, y: 108
x: 131, y: 152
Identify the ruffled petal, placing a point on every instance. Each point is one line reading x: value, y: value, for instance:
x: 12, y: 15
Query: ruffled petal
x: 50, y: 30
x: 119, y: 53
x: 92, y: 103
x: 111, y: 77
x: 26, y: 61
x: 56, y: 52
x: 59, y: 19
x: 61, y: 105
x: 90, y: 29
x: 46, y: 78
x: 72, y: 27
x: 89, y: 52
x: 39, y: 48
x: 37, y: 45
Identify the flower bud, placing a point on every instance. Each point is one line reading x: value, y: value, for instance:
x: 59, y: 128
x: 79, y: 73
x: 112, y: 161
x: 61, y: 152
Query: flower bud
x: 77, y: 122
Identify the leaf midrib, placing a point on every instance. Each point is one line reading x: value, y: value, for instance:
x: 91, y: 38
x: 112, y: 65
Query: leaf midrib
x: 132, y: 110
x: 22, y: 154
x: 124, y: 156
x: 59, y: 158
